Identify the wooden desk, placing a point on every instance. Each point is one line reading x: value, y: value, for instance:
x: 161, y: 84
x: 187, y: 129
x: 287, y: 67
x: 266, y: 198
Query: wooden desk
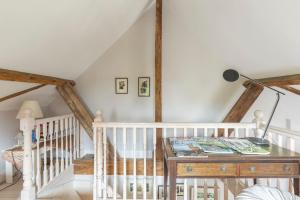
x: 280, y: 163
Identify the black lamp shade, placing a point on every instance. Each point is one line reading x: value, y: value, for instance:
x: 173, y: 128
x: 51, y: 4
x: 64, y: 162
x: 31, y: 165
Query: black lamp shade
x: 231, y: 75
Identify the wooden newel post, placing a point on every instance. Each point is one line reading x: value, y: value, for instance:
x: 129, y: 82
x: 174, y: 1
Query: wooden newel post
x: 260, y: 123
x: 98, y: 157
x: 27, y: 125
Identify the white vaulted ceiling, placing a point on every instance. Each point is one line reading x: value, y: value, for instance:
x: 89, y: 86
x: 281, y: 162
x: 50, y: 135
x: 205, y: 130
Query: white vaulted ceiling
x: 59, y: 37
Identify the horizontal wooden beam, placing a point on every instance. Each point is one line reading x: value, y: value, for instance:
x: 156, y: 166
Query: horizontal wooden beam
x: 291, y: 89
x: 20, y: 93
x: 280, y: 80
x: 10, y: 75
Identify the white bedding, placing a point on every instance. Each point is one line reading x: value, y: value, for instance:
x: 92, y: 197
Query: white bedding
x: 265, y: 193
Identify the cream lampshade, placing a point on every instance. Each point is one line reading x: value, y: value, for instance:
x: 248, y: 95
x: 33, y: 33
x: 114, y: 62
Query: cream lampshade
x: 35, y: 108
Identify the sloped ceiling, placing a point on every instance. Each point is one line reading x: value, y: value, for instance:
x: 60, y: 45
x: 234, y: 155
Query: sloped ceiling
x: 260, y: 38
x: 64, y: 37
x: 59, y: 37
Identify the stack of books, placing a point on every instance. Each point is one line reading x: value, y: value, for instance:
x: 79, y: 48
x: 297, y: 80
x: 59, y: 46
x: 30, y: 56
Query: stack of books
x: 196, y: 146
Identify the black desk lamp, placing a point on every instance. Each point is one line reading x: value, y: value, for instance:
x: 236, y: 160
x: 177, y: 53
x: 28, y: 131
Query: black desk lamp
x: 231, y: 76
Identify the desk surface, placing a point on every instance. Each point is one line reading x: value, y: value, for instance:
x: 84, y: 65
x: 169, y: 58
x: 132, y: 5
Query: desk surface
x: 276, y: 154
x: 280, y: 163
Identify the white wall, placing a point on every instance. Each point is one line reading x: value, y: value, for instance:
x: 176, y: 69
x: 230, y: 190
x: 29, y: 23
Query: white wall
x: 132, y: 56
x: 9, y: 127
x: 196, y: 50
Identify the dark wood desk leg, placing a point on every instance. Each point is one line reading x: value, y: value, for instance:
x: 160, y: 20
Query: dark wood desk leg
x: 296, y: 186
x: 172, y: 177
x: 165, y: 179
x: 255, y: 181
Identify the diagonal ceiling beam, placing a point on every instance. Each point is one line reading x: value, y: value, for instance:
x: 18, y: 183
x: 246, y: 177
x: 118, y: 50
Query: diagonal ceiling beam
x: 21, y: 92
x: 243, y: 104
x: 10, y: 75
x: 280, y: 80
x: 290, y: 89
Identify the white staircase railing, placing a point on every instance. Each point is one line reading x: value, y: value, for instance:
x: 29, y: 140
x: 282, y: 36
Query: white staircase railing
x: 137, y: 144
x: 55, y: 147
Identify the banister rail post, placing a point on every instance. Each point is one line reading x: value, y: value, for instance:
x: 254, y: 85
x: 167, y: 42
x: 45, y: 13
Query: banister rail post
x: 27, y: 125
x: 98, y: 157
x: 259, y: 120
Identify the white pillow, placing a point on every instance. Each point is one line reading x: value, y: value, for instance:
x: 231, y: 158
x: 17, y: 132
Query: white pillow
x: 258, y: 192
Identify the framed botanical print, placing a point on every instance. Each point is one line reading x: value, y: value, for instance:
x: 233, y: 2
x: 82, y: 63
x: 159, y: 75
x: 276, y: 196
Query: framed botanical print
x: 121, y: 85
x: 144, y: 86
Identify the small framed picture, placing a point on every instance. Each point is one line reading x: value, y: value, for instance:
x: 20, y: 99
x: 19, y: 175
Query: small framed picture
x: 212, y: 193
x: 121, y: 85
x: 179, y: 191
x: 139, y: 188
x: 144, y: 86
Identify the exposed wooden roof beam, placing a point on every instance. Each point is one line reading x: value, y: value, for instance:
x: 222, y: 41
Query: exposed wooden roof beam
x: 10, y: 75
x: 290, y: 89
x: 243, y: 104
x: 21, y: 92
x: 81, y: 112
x: 280, y: 80
x: 158, y: 75
x: 158, y: 61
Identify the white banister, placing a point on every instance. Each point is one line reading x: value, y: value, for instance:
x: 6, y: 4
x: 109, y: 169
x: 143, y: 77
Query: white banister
x: 98, y: 159
x: 27, y: 125
x: 136, y: 138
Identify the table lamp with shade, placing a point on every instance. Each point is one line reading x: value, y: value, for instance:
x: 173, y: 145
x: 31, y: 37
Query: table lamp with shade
x: 231, y: 75
x: 33, y: 106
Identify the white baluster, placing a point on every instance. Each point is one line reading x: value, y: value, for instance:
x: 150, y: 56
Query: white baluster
x: 74, y: 137
x: 225, y: 132
x: 195, y: 180
x: 71, y: 141
x: 145, y: 164
x: 66, y: 139
x: 95, y: 184
x: 38, y: 159
x: 27, y: 125
x: 78, y: 139
x: 154, y: 165
x: 247, y: 132
x: 115, y: 162
x: 56, y: 148
x: 259, y: 120
x: 216, y: 132
x: 105, y: 160
x: 124, y: 164
x: 134, y: 164
x: 175, y: 132
x: 51, y: 168
x: 45, y: 174
x: 62, y: 161
x: 185, y: 191
x: 236, y: 132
